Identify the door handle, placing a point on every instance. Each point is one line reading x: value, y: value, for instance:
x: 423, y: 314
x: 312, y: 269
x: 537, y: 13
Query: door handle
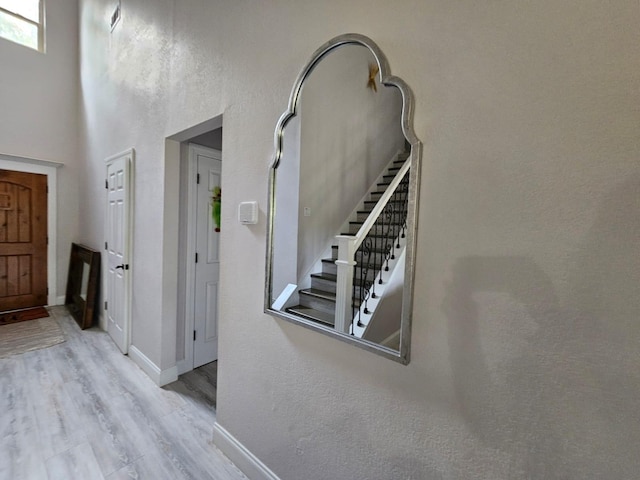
x: 123, y: 267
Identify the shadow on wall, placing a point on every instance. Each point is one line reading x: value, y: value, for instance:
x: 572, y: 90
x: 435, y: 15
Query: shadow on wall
x: 344, y: 416
x: 554, y: 388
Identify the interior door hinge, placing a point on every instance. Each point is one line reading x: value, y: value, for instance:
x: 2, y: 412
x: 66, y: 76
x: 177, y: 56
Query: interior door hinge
x: 106, y: 246
x: 198, y: 179
x: 47, y: 240
x: 196, y: 257
x: 47, y: 188
x: 194, y: 335
x: 47, y: 290
x: 106, y: 184
x: 105, y: 305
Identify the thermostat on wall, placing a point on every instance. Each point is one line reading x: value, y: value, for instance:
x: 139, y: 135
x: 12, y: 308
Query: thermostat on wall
x: 248, y: 213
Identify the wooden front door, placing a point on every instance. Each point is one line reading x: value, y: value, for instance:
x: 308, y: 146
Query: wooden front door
x: 23, y: 240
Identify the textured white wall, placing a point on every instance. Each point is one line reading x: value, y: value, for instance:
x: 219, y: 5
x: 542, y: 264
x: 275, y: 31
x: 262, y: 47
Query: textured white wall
x: 39, y: 114
x: 124, y: 79
x: 526, y: 338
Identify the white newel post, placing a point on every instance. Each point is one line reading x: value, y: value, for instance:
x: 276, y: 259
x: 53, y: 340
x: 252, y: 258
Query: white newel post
x: 344, y: 283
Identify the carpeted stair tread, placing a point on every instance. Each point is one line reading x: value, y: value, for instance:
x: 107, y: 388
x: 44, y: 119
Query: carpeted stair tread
x: 325, y: 276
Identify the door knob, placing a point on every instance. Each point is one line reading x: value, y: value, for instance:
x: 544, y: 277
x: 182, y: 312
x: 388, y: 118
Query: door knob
x: 123, y: 266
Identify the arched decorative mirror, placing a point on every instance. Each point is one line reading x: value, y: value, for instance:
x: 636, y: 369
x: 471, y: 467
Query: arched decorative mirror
x: 343, y: 191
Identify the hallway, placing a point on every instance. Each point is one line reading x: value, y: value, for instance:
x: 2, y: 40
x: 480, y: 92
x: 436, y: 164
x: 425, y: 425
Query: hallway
x: 81, y: 410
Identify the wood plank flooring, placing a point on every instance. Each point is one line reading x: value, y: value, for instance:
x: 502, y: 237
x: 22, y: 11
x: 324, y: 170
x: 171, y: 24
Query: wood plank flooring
x: 82, y: 410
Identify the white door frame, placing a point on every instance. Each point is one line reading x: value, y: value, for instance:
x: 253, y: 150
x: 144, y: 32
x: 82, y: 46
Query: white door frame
x: 186, y: 365
x: 128, y: 245
x: 50, y: 169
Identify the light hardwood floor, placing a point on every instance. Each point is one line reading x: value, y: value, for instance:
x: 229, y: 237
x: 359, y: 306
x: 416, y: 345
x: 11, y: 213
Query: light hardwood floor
x: 82, y: 410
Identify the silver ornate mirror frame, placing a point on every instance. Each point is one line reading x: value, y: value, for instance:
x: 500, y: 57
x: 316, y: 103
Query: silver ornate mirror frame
x: 384, y: 75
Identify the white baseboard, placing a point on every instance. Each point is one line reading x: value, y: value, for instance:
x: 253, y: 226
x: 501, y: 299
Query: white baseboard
x: 159, y: 377
x: 60, y: 299
x: 168, y: 376
x: 246, y: 461
x: 183, y: 366
x: 102, y: 321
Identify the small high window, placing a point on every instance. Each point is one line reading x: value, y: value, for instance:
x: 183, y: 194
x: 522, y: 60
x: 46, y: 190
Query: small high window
x: 22, y: 21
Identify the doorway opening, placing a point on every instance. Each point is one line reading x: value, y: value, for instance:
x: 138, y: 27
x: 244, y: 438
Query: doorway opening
x: 50, y: 170
x: 200, y: 231
x: 23, y: 240
x: 202, y: 259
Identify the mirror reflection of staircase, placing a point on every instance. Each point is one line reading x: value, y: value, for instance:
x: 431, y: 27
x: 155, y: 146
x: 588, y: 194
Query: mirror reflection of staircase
x: 318, y: 303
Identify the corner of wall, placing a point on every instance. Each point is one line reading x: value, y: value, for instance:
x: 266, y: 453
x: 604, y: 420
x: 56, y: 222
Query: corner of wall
x: 159, y: 377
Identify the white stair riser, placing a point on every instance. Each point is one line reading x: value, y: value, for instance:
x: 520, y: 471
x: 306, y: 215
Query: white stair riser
x: 322, y: 284
x: 329, y: 267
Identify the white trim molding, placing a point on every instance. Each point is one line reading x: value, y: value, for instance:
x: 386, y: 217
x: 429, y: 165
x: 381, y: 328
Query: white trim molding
x: 159, y: 377
x: 50, y: 169
x: 246, y: 461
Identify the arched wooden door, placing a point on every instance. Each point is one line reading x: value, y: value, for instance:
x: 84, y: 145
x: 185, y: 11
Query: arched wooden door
x: 23, y: 240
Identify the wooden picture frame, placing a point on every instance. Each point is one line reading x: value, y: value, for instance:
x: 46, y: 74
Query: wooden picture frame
x: 82, y: 284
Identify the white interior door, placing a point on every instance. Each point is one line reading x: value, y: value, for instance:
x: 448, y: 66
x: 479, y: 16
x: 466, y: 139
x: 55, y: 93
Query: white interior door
x: 207, y: 266
x: 117, y: 226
